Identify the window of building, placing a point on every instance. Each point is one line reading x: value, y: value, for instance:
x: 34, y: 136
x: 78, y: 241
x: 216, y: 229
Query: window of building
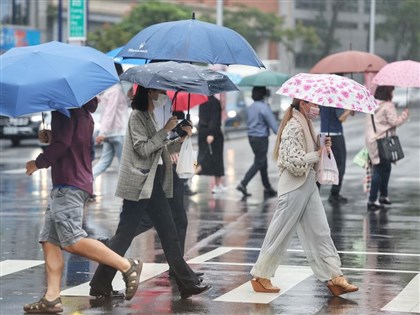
x: 381, y: 6
x: 347, y: 6
x: 347, y: 25
x: 318, y: 5
x: 15, y: 12
x: 306, y: 60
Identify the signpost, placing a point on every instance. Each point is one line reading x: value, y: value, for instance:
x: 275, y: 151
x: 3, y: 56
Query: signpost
x: 77, y: 20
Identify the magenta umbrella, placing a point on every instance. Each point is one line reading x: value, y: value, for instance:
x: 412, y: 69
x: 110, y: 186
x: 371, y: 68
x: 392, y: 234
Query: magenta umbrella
x: 405, y: 73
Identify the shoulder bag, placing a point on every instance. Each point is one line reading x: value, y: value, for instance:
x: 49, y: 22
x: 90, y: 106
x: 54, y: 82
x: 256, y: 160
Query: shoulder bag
x: 389, y: 148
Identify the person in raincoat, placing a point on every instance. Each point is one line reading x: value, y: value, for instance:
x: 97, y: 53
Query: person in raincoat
x: 299, y: 205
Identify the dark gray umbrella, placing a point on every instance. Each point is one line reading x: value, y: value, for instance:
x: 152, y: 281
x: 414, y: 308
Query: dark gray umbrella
x: 176, y: 76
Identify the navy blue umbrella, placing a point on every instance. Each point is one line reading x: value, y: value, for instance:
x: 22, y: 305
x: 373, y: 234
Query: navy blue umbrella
x: 191, y: 41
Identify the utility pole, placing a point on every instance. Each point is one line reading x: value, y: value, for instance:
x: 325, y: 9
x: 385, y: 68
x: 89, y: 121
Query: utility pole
x: 372, y: 26
x: 60, y: 20
x: 219, y: 12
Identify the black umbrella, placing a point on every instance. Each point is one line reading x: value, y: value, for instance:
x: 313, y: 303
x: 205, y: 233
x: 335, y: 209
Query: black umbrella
x: 176, y: 76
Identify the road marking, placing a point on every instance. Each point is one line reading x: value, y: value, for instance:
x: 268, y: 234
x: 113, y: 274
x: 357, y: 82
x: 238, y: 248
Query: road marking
x: 149, y: 271
x: 10, y: 266
x: 408, y: 300
x: 286, y: 277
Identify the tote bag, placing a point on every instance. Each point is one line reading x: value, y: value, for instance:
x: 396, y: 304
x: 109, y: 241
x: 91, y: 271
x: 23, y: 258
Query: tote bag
x: 327, y: 169
x: 389, y: 148
x: 187, y: 160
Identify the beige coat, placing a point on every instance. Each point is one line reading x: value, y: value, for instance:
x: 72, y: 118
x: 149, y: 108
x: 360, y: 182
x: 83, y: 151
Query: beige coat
x: 142, y: 150
x: 386, y: 119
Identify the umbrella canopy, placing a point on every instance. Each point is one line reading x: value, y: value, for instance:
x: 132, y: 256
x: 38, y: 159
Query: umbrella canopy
x: 129, y: 61
x: 184, y: 101
x: 191, y: 41
x: 404, y: 73
x: 176, y: 76
x: 52, y: 76
x: 330, y: 90
x: 265, y: 78
x: 348, y: 62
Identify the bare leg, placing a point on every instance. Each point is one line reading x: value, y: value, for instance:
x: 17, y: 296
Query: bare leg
x: 97, y: 251
x: 218, y: 180
x: 54, y: 265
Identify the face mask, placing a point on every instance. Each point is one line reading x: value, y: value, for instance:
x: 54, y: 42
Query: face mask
x: 161, y: 101
x: 313, y: 112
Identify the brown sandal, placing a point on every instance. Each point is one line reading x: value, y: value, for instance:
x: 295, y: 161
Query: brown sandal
x: 339, y: 285
x: 259, y: 287
x: 132, y: 278
x: 44, y: 306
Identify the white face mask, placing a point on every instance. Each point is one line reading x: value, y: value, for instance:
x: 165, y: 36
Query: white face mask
x: 161, y: 101
x: 313, y: 112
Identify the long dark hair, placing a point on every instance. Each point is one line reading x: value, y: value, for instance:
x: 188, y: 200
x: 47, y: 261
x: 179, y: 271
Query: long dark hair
x: 141, y: 99
x: 384, y: 92
x: 287, y: 116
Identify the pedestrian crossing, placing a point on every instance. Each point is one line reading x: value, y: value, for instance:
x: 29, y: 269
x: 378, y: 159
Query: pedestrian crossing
x: 286, y: 277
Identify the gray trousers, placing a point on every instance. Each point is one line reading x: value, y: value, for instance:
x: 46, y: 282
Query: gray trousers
x: 300, y: 210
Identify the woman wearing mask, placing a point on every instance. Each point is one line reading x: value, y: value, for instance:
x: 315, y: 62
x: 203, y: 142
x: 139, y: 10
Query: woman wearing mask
x: 386, y: 120
x: 299, y: 205
x: 145, y: 182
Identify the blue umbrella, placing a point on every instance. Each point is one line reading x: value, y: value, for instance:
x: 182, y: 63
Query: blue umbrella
x: 129, y: 61
x: 52, y: 76
x: 191, y: 41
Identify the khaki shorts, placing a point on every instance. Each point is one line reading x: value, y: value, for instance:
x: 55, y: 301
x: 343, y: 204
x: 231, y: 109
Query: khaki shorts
x: 64, y: 217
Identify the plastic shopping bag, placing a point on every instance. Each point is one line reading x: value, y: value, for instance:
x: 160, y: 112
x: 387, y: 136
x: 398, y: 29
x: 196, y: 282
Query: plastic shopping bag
x: 187, y: 161
x: 327, y: 169
x: 361, y: 158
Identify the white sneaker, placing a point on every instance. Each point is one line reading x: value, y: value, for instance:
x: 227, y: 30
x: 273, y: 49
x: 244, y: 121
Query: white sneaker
x: 216, y: 190
x: 219, y: 189
x: 223, y: 188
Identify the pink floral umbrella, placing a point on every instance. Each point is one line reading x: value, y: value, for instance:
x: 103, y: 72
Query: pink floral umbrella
x: 405, y: 73
x: 330, y: 90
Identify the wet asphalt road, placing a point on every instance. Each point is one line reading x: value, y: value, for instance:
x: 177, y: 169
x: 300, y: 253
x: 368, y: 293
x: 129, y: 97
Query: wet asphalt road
x: 380, y: 251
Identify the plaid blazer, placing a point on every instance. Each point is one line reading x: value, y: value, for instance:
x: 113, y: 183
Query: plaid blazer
x: 143, y: 146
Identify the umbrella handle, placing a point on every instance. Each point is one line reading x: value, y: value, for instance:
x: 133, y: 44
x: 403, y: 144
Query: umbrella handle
x: 174, y: 101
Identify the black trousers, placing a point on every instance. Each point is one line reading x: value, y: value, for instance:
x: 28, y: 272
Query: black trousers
x: 259, y: 146
x: 338, y: 147
x: 158, y: 210
x: 177, y: 208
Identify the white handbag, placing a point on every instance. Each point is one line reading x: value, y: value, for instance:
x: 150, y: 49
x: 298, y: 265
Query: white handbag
x: 187, y: 161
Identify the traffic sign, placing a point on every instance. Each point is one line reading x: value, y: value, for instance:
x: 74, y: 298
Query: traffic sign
x: 77, y: 19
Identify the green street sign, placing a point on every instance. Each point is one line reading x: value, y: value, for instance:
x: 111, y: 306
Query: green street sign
x: 77, y: 19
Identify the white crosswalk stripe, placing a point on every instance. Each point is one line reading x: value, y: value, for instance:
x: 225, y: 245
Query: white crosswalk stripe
x: 286, y: 277
x: 407, y: 300
x: 10, y: 266
x: 148, y: 271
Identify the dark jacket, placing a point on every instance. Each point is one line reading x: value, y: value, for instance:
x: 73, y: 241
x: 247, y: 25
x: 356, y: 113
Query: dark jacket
x: 70, y: 151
